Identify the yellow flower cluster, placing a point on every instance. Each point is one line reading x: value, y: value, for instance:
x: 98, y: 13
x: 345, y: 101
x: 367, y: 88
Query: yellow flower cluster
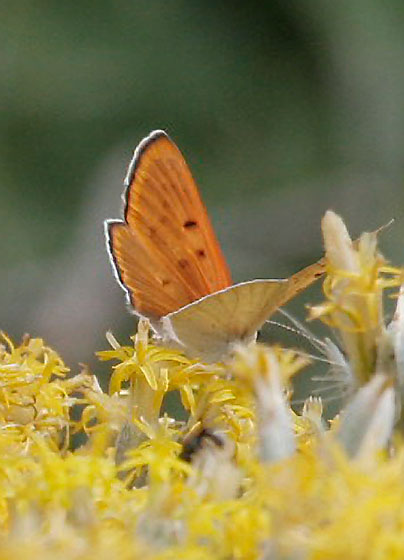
x: 87, y: 474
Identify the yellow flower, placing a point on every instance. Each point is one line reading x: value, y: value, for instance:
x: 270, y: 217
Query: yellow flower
x: 243, y: 477
x: 357, y: 276
x: 34, y: 396
x: 149, y: 372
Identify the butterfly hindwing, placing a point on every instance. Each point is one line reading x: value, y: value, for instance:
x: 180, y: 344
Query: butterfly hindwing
x: 210, y: 326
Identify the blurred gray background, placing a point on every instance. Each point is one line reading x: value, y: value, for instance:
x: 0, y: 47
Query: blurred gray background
x: 282, y: 109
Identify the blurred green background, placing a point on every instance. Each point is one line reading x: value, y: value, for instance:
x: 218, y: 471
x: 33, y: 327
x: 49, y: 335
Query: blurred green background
x: 282, y: 109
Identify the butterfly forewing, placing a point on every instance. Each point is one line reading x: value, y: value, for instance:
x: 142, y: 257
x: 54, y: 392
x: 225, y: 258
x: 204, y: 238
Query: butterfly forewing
x: 165, y: 251
x: 152, y: 294
x: 303, y: 279
x: 163, y: 203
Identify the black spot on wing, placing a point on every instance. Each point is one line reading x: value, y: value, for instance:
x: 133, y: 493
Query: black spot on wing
x: 183, y: 263
x: 190, y: 224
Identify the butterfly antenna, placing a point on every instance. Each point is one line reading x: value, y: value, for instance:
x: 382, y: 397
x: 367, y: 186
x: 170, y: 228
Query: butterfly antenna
x: 326, y: 388
x: 285, y: 327
x: 314, y: 357
x: 299, y: 329
x: 338, y: 389
x: 335, y: 380
x: 304, y: 331
x: 308, y: 336
x: 299, y: 333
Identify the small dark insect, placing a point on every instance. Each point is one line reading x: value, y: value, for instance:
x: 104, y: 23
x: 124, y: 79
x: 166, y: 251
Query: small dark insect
x: 196, y: 440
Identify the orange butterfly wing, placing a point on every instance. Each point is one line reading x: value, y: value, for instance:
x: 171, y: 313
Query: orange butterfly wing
x: 165, y: 252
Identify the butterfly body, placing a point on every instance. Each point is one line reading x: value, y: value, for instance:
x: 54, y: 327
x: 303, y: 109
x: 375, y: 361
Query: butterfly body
x: 166, y: 257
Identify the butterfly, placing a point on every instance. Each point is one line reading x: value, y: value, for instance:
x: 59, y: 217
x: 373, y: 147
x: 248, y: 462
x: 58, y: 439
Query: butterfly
x: 165, y: 255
